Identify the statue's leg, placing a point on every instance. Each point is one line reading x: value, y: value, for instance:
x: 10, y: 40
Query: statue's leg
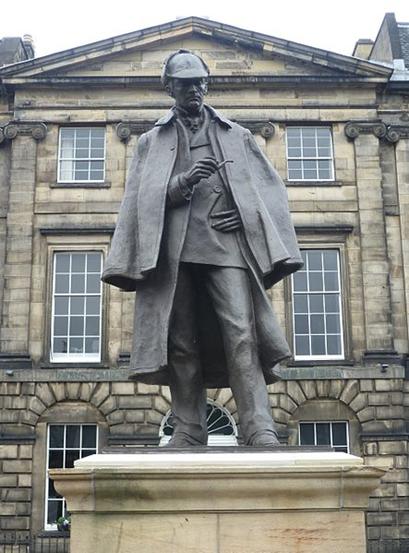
x: 185, y: 372
x: 230, y: 291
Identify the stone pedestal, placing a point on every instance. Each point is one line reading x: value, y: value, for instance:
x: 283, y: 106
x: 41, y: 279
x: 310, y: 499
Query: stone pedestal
x: 221, y: 502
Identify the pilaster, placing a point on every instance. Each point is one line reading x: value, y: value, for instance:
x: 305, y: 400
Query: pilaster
x: 19, y: 228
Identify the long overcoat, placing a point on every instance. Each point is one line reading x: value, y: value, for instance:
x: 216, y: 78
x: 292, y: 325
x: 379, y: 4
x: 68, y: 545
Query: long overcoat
x: 149, y: 236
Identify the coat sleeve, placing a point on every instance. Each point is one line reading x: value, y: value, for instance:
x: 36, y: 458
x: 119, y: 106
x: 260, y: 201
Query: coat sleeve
x: 122, y: 268
x: 273, y: 193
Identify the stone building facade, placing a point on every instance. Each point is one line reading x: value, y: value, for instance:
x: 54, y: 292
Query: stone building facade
x: 337, y: 130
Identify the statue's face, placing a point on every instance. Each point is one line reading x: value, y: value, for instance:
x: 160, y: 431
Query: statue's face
x: 188, y: 93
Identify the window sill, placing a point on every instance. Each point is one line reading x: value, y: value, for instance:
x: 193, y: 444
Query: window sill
x: 312, y: 183
x: 320, y: 363
x: 73, y: 365
x: 105, y: 184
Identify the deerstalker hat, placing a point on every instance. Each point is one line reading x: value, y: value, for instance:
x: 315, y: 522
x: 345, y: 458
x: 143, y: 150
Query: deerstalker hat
x: 183, y: 64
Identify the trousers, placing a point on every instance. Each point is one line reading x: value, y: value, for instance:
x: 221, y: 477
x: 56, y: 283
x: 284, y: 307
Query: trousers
x: 228, y: 288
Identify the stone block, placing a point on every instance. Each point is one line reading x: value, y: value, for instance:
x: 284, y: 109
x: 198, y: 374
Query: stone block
x: 295, y: 392
x: 116, y: 417
x: 8, y: 452
x: 17, y: 466
x: 72, y: 390
x: 402, y: 490
x: 123, y: 388
x: 350, y: 391
x: 8, y: 480
x: 391, y: 412
x: 108, y: 405
x: 135, y: 416
x: 335, y: 388
x: 366, y: 414
x: 393, y: 448
x: 388, y: 385
x: 58, y: 389
x: 381, y: 519
x: 36, y: 405
x: 309, y: 389
x: 43, y: 392
x: 15, y: 523
x: 134, y: 402
x: 100, y: 394
x: 380, y: 398
x: 359, y: 402
x: 161, y: 404
x: 86, y: 391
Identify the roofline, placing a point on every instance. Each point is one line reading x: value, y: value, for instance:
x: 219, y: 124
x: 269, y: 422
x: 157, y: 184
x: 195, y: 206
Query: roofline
x: 249, y: 38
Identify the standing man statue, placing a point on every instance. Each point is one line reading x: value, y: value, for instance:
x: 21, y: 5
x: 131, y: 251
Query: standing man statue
x: 203, y: 229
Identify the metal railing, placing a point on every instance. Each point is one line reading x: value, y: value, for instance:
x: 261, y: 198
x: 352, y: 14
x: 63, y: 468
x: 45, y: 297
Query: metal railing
x: 10, y: 542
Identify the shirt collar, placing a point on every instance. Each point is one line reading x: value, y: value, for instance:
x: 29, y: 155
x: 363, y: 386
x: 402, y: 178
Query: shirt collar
x: 169, y: 117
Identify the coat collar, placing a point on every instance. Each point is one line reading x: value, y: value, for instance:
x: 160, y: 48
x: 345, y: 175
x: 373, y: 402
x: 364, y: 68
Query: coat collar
x: 169, y: 117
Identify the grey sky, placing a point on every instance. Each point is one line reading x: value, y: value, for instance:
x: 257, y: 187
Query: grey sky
x: 332, y: 25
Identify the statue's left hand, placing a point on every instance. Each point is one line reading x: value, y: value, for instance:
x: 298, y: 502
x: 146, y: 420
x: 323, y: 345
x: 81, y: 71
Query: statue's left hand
x: 226, y: 221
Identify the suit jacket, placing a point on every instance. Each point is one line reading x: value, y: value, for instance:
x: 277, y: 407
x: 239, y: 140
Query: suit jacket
x: 149, y: 236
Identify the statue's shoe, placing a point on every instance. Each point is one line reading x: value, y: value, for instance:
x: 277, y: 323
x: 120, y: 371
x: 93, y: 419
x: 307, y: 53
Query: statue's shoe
x: 265, y: 439
x: 182, y: 442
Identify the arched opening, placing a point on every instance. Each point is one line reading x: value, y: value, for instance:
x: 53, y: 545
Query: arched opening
x: 221, y: 426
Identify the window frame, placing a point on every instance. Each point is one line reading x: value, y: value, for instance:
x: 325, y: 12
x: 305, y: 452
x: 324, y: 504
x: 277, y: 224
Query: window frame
x: 331, y: 423
x: 72, y: 357
x: 47, y: 526
x: 60, y: 159
x: 317, y: 158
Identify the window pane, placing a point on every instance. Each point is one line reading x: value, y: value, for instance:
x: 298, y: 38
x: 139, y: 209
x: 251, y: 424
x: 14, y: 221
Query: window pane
x: 323, y: 433
x: 62, y: 283
x: 318, y: 345
x: 93, y: 283
x: 317, y: 324
x: 60, y: 345
x: 302, y: 345
x: 56, y: 459
x: 78, y: 263
x: 331, y: 281
x: 315, y: 260
x: 301, y: 303
x: 77, y: 305
x: 307, y: 433
x: 339, y: 433
x: 73, y: 435
x: 91, y: 345
x: 317, y: 303
x: 92, y: 326
x: 78, y: 283
x: 333, y: 324
x: 54, y: 511
x: 61, y: 305
x: 77, y: 326
x: 316, y: 283
x: 331, y: 260
x: 301, y: 324
x: 89, y: 436
x: 331, y: 303
x: 71, y: 456
x: 300, y: 281
x: 56, y: 436
x: 334, y: 345
x: 93, y: 305
x: 60, y: 326
x: 94, y: 262
x: 52, y: 492
x: 76, y: 345
x: 62, y: 263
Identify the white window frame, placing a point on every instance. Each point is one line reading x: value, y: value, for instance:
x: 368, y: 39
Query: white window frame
x: 213, y: 439
x: 53, y: 527
x: 58, y: 357
x: 315, y: 357
x: 74, y: 159
x: 330, y: 422
x: 310, y: 158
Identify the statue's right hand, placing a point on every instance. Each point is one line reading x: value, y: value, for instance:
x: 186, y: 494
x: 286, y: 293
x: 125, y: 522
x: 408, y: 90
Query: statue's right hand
x: 201, y: 169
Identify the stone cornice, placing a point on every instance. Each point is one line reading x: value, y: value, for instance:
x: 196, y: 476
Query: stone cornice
x: 389, y: 133
x: 37, y: 129
x: 125, y: 129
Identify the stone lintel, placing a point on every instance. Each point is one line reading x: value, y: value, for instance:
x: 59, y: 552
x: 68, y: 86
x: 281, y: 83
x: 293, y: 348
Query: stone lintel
x: 75, y: 230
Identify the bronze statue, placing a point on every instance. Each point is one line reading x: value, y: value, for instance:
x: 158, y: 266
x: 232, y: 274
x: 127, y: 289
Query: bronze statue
x: 204, y: 228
